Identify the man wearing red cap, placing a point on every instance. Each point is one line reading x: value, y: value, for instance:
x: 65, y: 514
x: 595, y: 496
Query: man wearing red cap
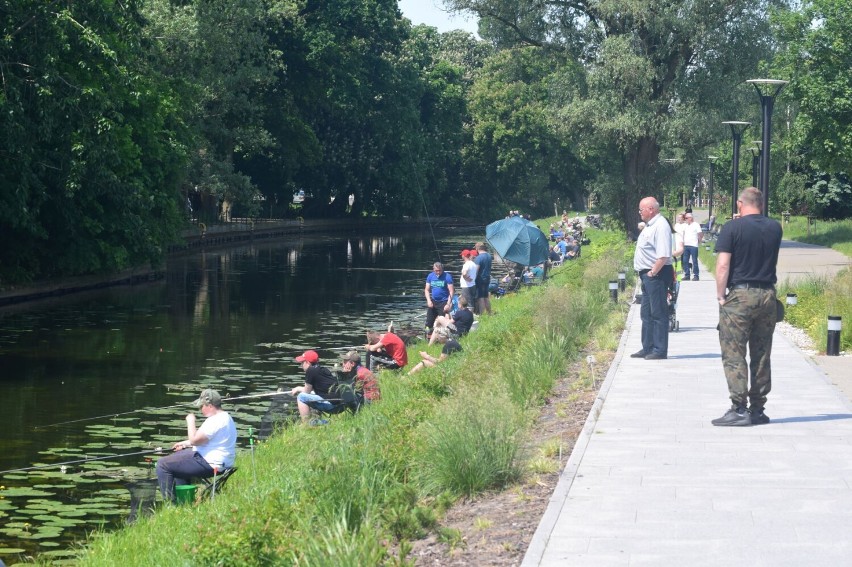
x: 319, y: 382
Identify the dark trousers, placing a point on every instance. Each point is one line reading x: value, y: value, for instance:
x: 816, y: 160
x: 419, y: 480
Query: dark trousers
x: 178, y: 468
x: 747, y: 319
x: 436, y: 310
x: 378, y: 360
x: 690, y: 255
x: 655, y: 312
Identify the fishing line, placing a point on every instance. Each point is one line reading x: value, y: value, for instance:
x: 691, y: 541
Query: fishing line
x: 87, y: 460
x: 184, y: 404
x: 423, y: 200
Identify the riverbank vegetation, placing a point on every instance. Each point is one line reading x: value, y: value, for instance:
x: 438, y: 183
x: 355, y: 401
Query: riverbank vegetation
x: 356, y: 491
x: 125, y: 122
x: 818, y: 297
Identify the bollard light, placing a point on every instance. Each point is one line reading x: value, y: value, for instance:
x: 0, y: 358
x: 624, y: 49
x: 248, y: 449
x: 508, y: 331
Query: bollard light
x: 707, y: 247
x: 622, y: 280
x: 792, y: 299
x: 832, y: 347
x: 613, y: 290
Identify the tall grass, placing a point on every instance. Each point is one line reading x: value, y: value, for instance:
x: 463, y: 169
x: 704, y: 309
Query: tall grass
x: 531, y: 371
x: 333, y: 494
x: 817, y: 298
x: 481, y: 449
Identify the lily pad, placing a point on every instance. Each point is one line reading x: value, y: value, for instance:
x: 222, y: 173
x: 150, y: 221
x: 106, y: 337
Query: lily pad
x: 11, y: 550
x: 24, y: 491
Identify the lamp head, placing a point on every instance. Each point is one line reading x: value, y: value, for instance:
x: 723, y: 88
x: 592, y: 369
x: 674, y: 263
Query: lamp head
x: 768, y: 87
x: 737, y: 127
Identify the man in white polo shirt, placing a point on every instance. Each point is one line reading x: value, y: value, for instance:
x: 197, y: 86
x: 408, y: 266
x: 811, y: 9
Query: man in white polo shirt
x: 653, y: 262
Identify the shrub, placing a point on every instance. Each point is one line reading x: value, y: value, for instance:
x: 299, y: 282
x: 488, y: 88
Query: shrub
x: 472, y: 446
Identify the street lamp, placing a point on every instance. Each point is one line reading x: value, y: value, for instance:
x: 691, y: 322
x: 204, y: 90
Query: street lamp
x: 713, y: 160
x: 767, y: 90
x: 755, y: 163
x: 737, y: 129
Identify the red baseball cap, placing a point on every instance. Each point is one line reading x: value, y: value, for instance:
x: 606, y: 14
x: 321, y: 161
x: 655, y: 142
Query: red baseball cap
x: 474, y: 253
x: 465, y: 252
x: 308, y: 356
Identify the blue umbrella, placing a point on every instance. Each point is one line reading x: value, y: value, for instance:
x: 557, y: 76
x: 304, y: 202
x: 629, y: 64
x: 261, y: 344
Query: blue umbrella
x: 517, y: 240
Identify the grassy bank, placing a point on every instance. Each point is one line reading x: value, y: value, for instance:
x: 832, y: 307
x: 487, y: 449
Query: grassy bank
x: 355, y: 491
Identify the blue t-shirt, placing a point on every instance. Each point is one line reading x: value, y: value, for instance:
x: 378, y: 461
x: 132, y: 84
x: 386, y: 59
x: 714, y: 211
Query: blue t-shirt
x: 440, y: 291
x: 483, y: 260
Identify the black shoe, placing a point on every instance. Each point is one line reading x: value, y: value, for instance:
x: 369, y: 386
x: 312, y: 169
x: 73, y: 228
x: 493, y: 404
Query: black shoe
x: 638, y: 354
x: 695, y: 278
x: 758, y: 417
x: 686, y: 277
x: 734, y: 417
x: 655, y: 356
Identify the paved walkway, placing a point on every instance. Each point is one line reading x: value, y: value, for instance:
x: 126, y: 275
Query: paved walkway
x: 652, y: 482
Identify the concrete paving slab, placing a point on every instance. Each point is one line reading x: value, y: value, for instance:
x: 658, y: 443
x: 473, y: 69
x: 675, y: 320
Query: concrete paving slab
x: 652, y: 482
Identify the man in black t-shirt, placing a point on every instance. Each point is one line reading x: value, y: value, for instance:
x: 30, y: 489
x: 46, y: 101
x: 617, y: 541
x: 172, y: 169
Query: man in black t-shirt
x: 319, y: 383
x: 747, y: 250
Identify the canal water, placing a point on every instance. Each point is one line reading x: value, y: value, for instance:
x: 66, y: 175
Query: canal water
x: 113, y: 372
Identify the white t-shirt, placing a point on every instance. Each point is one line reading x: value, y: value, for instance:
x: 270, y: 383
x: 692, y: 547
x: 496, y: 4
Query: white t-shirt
x: 469, y: 269
x: 690, y: 233
x: 221, y: 447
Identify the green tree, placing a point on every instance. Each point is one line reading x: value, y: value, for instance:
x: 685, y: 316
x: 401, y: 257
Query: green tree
x: 657, y: 75
x: 517, y: 156
x: 217, y: 54
x: 816, y: 56
x: 91, y: 146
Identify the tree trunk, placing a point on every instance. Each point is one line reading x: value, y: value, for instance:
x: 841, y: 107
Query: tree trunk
x: 640, y: 180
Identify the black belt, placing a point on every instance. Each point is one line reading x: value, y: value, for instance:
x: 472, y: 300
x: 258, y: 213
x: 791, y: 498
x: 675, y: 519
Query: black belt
x: 643, y: 272
x: 753, y: 286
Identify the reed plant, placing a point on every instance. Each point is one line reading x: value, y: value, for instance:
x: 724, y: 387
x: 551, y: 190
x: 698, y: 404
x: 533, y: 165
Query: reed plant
x: 530, y: 373
x: 336, y: 494
x: 473, y: 444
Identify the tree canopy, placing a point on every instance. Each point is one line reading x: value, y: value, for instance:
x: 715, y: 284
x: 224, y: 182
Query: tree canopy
x: 122, y: 122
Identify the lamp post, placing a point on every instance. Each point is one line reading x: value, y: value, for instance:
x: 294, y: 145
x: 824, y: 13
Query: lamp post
x: 737, y: 129
x: 713, y: 160
x: 755, y: 162
x: 767, y: 90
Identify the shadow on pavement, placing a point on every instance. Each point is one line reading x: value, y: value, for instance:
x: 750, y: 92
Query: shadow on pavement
x: 807, y: 418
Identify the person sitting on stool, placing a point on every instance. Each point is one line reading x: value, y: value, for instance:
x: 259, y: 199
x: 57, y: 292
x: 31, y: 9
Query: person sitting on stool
x: 213, y: 445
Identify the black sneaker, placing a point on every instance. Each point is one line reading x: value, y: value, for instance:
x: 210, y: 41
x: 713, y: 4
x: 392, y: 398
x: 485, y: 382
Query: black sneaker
x: 734, y: 417
x: 655, y: 356
x: 638, y: 354
x: 695, y: 278
x: 758, y: 417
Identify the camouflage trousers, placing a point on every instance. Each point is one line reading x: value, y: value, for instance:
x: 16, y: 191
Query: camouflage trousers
x: 747, y: 320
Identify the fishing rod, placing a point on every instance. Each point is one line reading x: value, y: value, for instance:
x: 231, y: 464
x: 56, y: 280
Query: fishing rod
x: 420, y: 270
x: 184, y: 404
x: 87, y: 460
x: 423, y: 200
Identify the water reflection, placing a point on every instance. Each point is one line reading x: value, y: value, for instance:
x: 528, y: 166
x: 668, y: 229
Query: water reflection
x: 229, y: 319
